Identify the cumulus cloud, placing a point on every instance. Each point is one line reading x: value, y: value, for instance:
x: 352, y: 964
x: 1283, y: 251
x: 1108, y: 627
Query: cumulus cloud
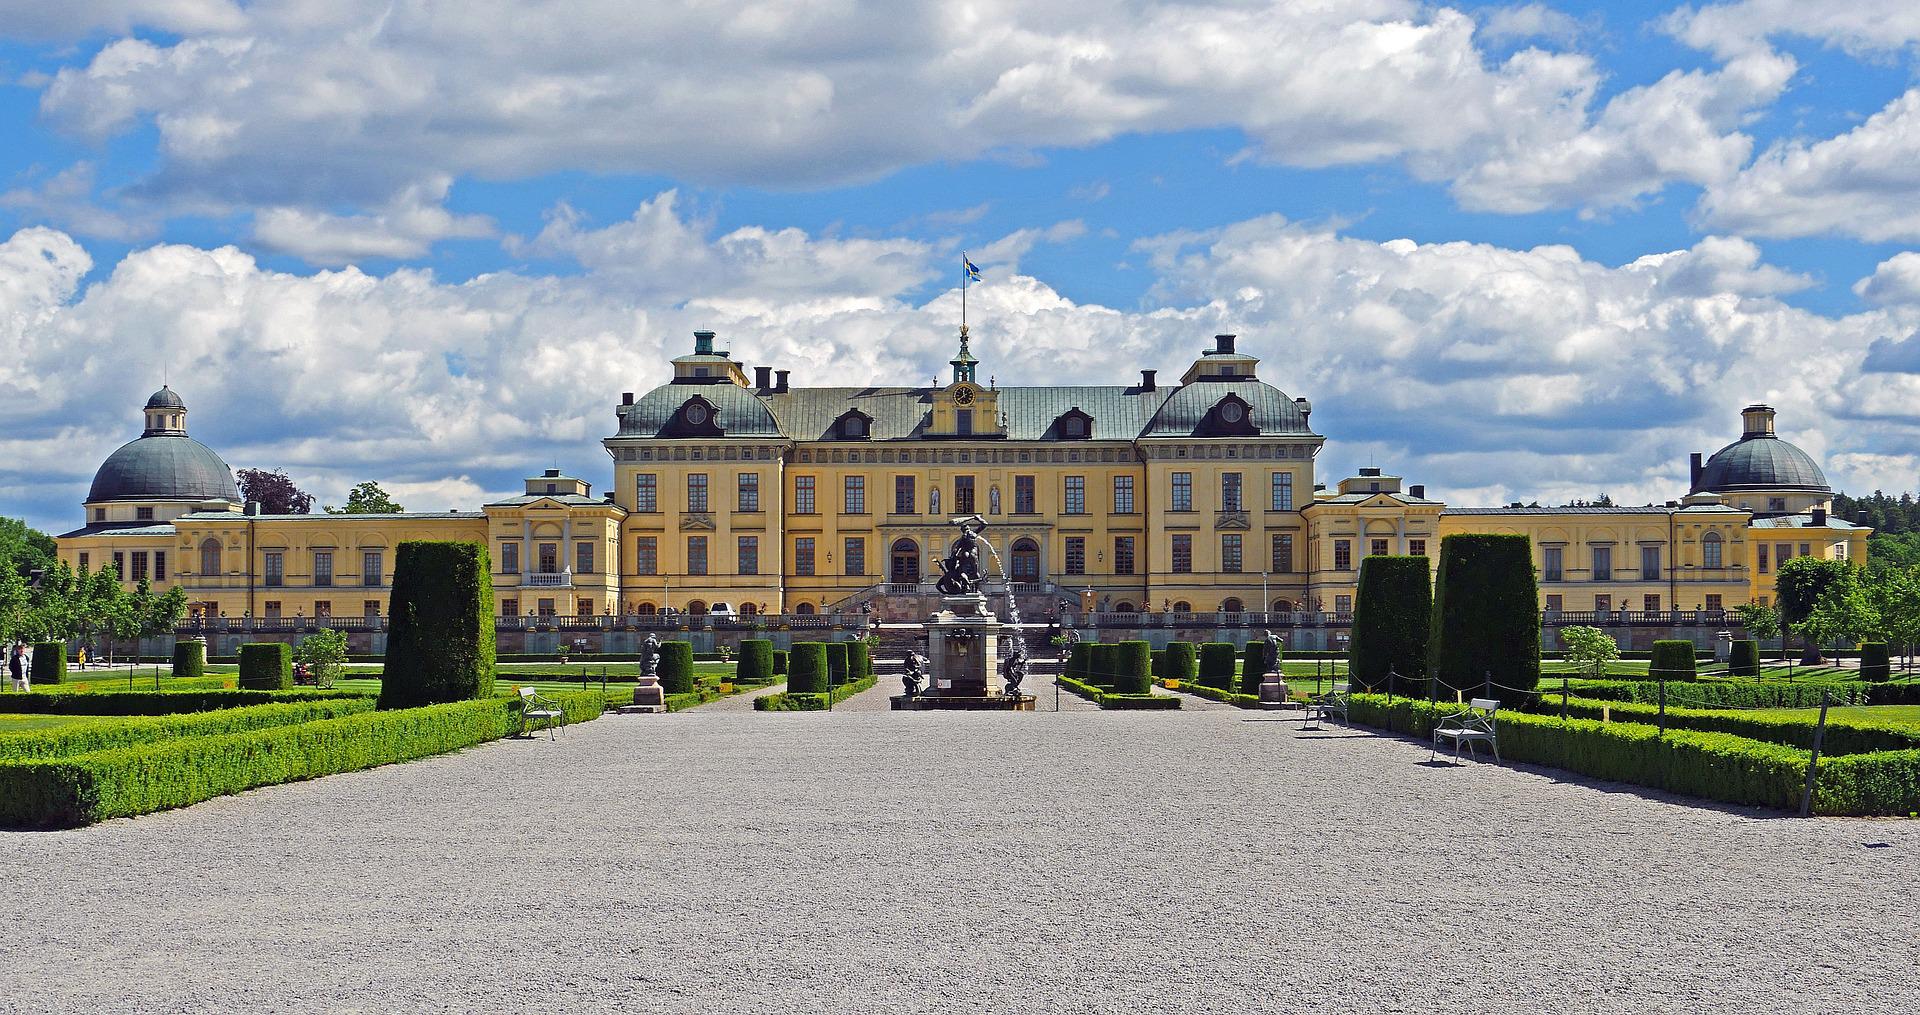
x: 1895, y: 281
x: 1858, y: 184
x: 1530, y: 21
x: 75, y: 19
x: 69, y: 199
x: 1487, y: 372
x: 1856, y: 26
x: 407, y: 227
x: 352, y: 103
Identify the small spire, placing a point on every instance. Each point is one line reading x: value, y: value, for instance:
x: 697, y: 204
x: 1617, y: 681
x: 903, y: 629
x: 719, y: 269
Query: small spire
x: 964, y: 363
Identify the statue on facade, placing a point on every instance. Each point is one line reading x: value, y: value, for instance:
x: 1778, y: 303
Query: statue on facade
x: 650, y: 656
x: 1273, y: 652
x: 911, y: 678
x: 1013, y: 669
x: 960, y: 572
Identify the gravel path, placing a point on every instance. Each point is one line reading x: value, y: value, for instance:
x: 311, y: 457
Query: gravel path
x: 961, y: 862
x: 742, y: 702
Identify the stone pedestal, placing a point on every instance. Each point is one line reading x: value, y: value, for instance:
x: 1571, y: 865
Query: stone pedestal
x: 1274, y: 692
x: 963, y: 671
x: 648, y: 696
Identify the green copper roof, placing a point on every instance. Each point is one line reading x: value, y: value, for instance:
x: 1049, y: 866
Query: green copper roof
x: 1760, y: 462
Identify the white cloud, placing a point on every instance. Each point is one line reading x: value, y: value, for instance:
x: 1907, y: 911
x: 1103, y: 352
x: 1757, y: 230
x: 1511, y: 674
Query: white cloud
x: 351, y: 103
x: 74, y: 19
x: 1861, y: 183
x: 1895, y: 281
x: 407, y: 227
x: 67, y: 199
x: 1858, y: 26
x: 1530, y: 21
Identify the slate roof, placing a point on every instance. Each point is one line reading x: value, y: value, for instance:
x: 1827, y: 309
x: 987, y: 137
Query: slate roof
x: 737, y: 410
x: 1644, y: 509
x: 1802, y: 522
x: 1761, y: 462
x: 1270, y: 408
x: 569, y: 499
x: 147, y: 530
x: 163, y: 466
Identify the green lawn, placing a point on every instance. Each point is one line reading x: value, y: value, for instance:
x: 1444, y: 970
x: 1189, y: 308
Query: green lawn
x: 23, y: 723
x: 1884, y: 715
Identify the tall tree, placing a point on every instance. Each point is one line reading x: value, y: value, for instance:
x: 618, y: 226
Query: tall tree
x: 1895, y: 594
x: 1761, y: 621
x: 1800, y: 583
x: 16, y: 606
x: 1842, y: 612
x: 24, y: 548
x: 275, y: 492
x: 367, y: 499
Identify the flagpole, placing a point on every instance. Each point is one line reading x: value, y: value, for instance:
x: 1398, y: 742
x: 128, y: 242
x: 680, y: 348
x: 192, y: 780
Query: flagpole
x: 966, y: 278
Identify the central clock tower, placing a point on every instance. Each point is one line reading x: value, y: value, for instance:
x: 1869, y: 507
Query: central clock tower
x: 964, y: 408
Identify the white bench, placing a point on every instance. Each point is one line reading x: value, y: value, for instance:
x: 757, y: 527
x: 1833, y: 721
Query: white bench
x: 1325, y: 706
x: 537, y: 709
x: 1470, y: 725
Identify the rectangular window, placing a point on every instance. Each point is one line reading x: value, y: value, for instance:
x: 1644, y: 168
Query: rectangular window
x: 963, y: 495
x: 372, y: 568
x: 1806, y: 549
x: 696, y: 491
x: 120, y: 566
x: 1230, y: 553
x: 583, y: 607
x: 903, y: 498
x: 1023, y: 495
x: 1378, y: 548
x: 1076, y: 555
x: 749, y: 552
x: 159, y: 565
x: 803, y: 556
x: 1777, y: 505
x: 646, y: 492
x: 1760, y: 550
x: 1182, y: 553
x: 1343, y: 555
x: 1123, y: 555
x: 1282, y: 552
x: 1230, y: 492
x: 276, y: 569
x: 1343, y: 604
x: 749, y: 491
x: 139, y: 564
x: 583, y: 558
x: 144, y: 514
x: 803, y: 495
x: 1710, y: 550
x: 855, y: 549
x: 1553, y: 604
x: 1784, y: 554
x: 1182, y: 492
x: 856, y: 496
x: 509, y: 558
x: 1650, y: 603
x: 546, y: 608
x: 646, y: 555
x: 1416, y: 547
x: 1123, y: 495
x: 1649, y: 563
x: 323, y: 609
x: 1076, y: 503
x: 83, y: 560
x: 1283, y: 491
x: 509, y: 607
x: 549, y: 558
x: 696, y: 555
x: 1714, y: 602
x: 322, y: 568
x: 1602, y: 604
x: 963, y: 422
x: 1603, y: 563
x: 1551, y: 564
x: 272, y: 609
x: 370, y: 609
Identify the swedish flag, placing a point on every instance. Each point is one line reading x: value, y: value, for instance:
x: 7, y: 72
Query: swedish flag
x: 973, y: 270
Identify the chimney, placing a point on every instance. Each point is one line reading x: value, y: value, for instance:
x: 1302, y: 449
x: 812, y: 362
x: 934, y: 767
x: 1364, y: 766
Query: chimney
x: 1697, y: 469
x: 780, y: 381
x: 1819, y: 518
x: 1223, y: 343
x: 1146, y: 379
x: 1305, y: 407
x: 626, y: 398
x: 608, y: 497
x: 1756, y: 421
x: 703, y: 343
x: 1417, y: 491
x: 1371, y: 470
x: 763, y: 378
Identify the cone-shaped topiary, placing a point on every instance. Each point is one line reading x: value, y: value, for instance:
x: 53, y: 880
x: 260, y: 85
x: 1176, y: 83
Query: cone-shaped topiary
x: 1486, y: 618
x: 807, y: 668
x: 1392, y: 619
x: 266, y: 666
x: 440, y: 626
x: 676, y: 667
x: 756, y: 662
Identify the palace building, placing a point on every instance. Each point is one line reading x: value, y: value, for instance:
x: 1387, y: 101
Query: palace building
x: 748, y: 495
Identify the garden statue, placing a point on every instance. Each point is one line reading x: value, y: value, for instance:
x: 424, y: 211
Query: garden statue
x: 650, y: 656
x: 1013, y: 669
x: 1273, y: 652
x: 911, y: 677
x: 960, y: 572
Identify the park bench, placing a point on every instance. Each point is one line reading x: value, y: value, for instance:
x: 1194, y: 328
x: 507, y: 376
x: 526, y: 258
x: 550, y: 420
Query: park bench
x: 534, y: 708
x: 1326, y: 706
x: 1468, y: 726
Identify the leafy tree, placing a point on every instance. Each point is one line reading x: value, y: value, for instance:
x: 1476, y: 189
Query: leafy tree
x: 25, y: 549
x: 133, y: 619
x: 1895, y: 596
x: 52, y: 602
x: 1842, y: 612
x: 1761, y: 621
x: 1590, y: 648
x: 106, y: 608
x: 1800, y: 584
x: 325, y: 655
x: 16, y: 606
x: 275, y: 492
x: 367, y: 499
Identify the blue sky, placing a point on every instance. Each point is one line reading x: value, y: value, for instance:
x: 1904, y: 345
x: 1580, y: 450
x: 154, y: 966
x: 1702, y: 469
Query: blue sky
x: 1513, y: 250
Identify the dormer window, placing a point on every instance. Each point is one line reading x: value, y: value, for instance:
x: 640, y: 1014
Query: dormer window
x: 1231, y: 416
x: 853, y: 425
x: 1073, y: 425
x: 696, y: 418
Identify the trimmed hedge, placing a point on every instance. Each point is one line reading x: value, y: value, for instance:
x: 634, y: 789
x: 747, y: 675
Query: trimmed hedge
x: 1253, y: 666
x: 1843, y: 736
x: 807, y: 672
x: 836, y: 663
x: 49, y: 662
x: 676, y: 667
x: 1486, y: 618
x: 189, y: 658
x: 790, y: 701
x: 1080, y: 660
x: 1874, y: 662
x: 779, y: 662
x: 859, y: 660
x: 122, y: 782
x: 1114, y: 701
x: 1182, y: 662
x: 756, y: 662
x: 440, y: 626
x: 1133, y: 668
x: 1672, y: 660
x: 157, y: 702
x: 1226, y: 697
x: 268, y: 666
x: 1159, y: 663
x: 1392, y: 621
x: 84, y: 738
x: 1216, y: 665
x: 1887, y: 782
x: 1764, y: 694
x: 1745, y: 659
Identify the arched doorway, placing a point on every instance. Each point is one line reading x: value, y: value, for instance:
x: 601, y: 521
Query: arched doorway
x: 1026, y: 560
x: 210, y: 557
x: 1183, y: 607
x: 804, y: 609
x: 697, y: 608
x: 905, y: 567
x: 645, y: 609
x: 1282, y: 606
x: 1123, y: 607
x: 749, y: 610
x: 1230, y: 605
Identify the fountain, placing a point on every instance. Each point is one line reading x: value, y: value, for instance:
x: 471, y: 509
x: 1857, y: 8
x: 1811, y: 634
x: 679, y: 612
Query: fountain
x: 963, y: 638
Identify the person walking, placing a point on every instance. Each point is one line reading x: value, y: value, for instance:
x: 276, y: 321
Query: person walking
x: 17, y: 666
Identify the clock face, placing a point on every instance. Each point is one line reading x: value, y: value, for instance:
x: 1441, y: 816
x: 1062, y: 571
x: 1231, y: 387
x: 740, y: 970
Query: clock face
x: 696, y: 414
x: 963, y: 396
x: 1232, y: 413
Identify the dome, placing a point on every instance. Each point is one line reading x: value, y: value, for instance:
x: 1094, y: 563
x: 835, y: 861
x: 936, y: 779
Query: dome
x: 1760, y: 462
x: 165, y: 398
x: 164, y: 467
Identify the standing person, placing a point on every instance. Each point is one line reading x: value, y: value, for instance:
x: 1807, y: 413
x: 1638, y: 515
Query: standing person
x: 17, y: 666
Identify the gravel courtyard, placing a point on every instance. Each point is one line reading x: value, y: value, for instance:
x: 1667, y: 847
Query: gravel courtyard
x: 863, y: 862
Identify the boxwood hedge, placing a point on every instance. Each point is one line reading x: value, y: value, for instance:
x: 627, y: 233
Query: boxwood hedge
x: 157, y: 702
x: 1392, y: 620
x: 1874, y: 662
x: 1672, y: 660
x: 1486, y: 618
x: 756, y: 662
x: 1745, y: 658
x: 266, y: 666
x: 189, y: 658
x: 792, y: 701
x: 1216, y: 665
x: 84, y: 737
x: 440, y: 626
x: 1112, y: 700
x: 49, y: 662
x: 807, y: 668
x: 859, y: 661
x: 1182, y: 663
x: 1253, y: 666
x: 676, y: 667
x: 1133, y: 668
x: 836, y: 663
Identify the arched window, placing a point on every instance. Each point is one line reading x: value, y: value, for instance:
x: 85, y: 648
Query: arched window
x: 1710, y: 550
x: 1026, y: 560
x: 1123, y: 607
x: 697, y: 608
x: 804, y: 609
x: 1282, y: 606
x: 904, y: 565
x: 210, y: 557
x: 646, y: 609
x: 1183, y: 607
x: 1230, y: 605
x: 748, y: 609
